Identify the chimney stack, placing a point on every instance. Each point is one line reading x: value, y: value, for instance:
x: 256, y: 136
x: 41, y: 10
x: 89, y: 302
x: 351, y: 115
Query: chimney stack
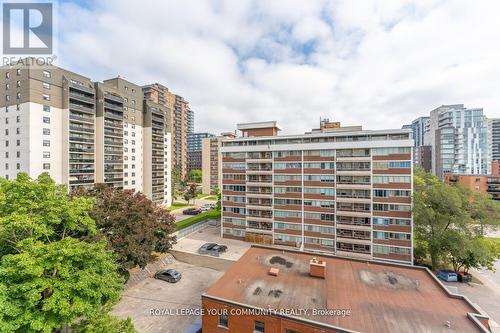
x: 317, y: 268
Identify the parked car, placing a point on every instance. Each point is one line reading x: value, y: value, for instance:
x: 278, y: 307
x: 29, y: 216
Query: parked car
x: 205, y: 248
x: 169, y: 275
x: 219, y: 248
x: 191, y: 211
x: 464, y: 277
x: 448, y: 276
x: 212, y: 249
x: 206, y: 207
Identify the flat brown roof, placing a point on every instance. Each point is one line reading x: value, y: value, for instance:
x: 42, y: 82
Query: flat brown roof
x: 382, y: 297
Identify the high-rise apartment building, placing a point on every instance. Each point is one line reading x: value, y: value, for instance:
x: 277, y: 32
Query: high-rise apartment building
x: 419, y: 127
x: 345, y: 192
x: 178, y: 109
x: 495, y: 139
x: 83, y: 132
x: 194, y: 150
x: 460, y: 141
x: 190, y: 121
x: 212, y: 162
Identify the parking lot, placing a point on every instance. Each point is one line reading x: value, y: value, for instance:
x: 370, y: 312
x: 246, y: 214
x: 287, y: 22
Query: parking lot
x: 192, y: 243
x: 157, y: 306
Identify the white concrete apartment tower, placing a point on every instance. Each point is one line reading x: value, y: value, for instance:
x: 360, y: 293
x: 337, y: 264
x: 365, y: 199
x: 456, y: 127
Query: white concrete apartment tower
x: 83, y: 132
x: 40, y: 107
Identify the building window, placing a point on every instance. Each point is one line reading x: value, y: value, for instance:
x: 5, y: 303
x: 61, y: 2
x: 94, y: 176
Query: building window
x: 18, y: 107
x: 223, y: 321
x: 46, y: 97
x: 46, y: 108
x: 133, y: 182
x: 7, y: 75
x: 46, y: 166
x: 18, y: 154
x: 6, y: 154
x: 259, y: 326
x: 7, y: 98
x: 6, y: 131
x: 6, y: 143
x: 18, y: 130
x: 46, y: 120
x: 46, y: 131
x: 18, y: 119
x: 18, y: 95
x: 6, y: 120
x: 18, y: 142
x: 18, y: 166
x: 46, y: 154
x: 46, y: 74
x: 18, y: 71
x: 46, y: 85
x: 18, y: 84
x: 7, y: 86
x: 6, y: 166
x: 46, y: 143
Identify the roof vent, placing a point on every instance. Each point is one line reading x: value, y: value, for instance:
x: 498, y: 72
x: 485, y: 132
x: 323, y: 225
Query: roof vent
x: 317, y: 268
x: 274, y: 271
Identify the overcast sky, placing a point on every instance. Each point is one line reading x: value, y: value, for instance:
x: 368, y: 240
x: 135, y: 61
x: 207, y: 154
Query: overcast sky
x: 379, y: 64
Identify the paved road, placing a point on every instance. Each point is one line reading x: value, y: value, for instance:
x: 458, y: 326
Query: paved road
x: 197, y: 203
x: 156, y: 306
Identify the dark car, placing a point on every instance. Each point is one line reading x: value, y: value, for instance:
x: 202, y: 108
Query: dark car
x: 219, y: 248
x: 206, y: 248
x: 169, y: 275
x: 212, y: 249
x: 191, y: 211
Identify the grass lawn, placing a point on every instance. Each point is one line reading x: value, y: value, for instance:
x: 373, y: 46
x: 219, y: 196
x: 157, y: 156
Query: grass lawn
x: 211, y: 197
x: 177, y: 205
x: 201, y: 195
x: 493, y: 241
x: 211, y: 214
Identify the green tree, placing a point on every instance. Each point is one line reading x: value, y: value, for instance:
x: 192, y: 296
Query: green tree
x: 104, y: 322
x: 40, y: 210
x: 218, y: 193
x: 133, y: 225
x: 191, y: 192
x: 484, y: 209
x: 195, y: 175
x: 48, y: 278
x: 441, y: 215
x: 473, y: 253
x: 178, y: 184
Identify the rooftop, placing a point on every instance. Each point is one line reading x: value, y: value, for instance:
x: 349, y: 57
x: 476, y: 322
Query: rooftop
x: 261, y: 124
x: 382, y: 297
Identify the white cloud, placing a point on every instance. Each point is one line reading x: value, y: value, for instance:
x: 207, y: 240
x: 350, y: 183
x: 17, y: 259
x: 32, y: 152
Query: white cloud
x: 375, y: 63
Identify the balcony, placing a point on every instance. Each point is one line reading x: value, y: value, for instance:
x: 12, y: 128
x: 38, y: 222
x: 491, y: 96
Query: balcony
x: 81, y: 108
x: 80, y: 139
x: 81, y: 150
x: 113, y: 143
x: 81, y: 97
x: 118, y: 134
x: 81, y: 171
x: 81, y: 181
x: 81, y: 129
x: 113, y: 115
x: 113, y: 179
x: 114, y: 107
x: 113, y: 124
x: 81, y: 119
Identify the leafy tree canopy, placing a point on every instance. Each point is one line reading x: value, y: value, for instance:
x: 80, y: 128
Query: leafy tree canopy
x: 133, y: 225
x: 39, y: 209
x: 48, y: 278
